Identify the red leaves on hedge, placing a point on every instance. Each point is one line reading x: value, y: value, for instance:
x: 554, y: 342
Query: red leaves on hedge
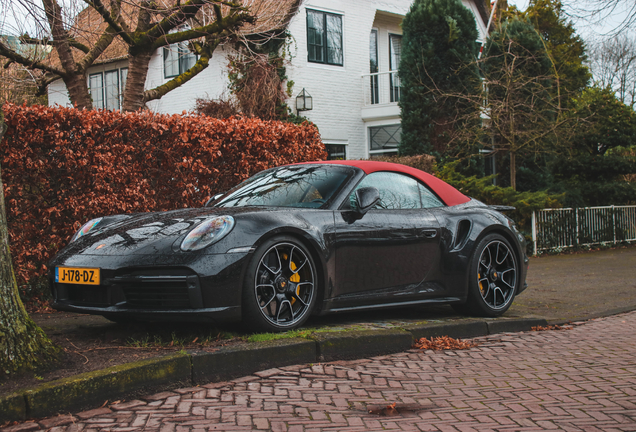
x: 442, y: 343
x: 62, y: 167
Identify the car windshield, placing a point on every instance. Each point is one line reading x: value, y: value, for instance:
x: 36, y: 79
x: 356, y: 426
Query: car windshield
x: 288, y: 186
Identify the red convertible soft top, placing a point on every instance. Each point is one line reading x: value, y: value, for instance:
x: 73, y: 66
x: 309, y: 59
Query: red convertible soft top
x: 446, y: 192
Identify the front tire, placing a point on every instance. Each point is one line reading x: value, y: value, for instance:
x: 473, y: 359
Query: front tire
x: 280, y: 286
x: 493, y: 278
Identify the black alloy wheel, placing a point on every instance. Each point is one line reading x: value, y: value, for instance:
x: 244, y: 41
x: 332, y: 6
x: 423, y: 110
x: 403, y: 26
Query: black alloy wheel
x: 493, y: 279
x: 280, y: 287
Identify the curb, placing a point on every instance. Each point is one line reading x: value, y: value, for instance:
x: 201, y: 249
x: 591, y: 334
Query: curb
x: 244, y: 359
x: 359, y: 344
x: 90, y: 390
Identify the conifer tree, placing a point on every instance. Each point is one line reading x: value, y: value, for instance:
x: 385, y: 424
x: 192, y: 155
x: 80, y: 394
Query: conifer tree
x: 565, y: 48
x: 437, y: 67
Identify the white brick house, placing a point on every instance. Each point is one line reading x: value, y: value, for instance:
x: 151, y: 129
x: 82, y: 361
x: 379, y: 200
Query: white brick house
x: 346, y: 55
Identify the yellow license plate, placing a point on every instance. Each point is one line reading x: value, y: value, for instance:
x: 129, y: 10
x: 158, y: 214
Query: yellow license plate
x: 77, y: 275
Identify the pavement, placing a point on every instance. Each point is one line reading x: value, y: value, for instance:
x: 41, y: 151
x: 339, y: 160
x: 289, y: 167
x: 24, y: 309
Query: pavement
x: 578, y: 379
x: 563, y: 288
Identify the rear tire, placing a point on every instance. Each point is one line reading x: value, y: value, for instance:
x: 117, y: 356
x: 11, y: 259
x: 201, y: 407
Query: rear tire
x: 493, y: 278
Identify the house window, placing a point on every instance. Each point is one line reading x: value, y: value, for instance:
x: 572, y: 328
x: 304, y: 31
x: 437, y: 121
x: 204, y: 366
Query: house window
x: 373, y: 66
x: 107, y: 89
x: 324, y: 38
x: 177, y: 58
x: 384, y: 140
x: 123, y: 72
x: 111, y: 90
x: 336, y: 151
x: 395, y: 54
x: 96, y: 89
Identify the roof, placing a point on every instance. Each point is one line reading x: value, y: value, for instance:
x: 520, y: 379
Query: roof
x: 443, y: 190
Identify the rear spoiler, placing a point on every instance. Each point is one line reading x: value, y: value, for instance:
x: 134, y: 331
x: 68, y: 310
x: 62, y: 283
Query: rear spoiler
x: 502, y: 208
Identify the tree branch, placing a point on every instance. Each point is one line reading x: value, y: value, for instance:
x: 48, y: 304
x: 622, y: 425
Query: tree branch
x: 48, y: 42
x: 110, y: 19
x: 54, y: 16
x: 237, y: 14
x: 100, y: 46
x: 29, y: 63
x: 43, y: 83
x: 159, y: 92
x: 217, y: 27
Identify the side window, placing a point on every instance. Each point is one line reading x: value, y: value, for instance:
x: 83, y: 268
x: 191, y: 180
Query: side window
x: 397, y: 191
x: 429, y: 199
x: 400, y: 192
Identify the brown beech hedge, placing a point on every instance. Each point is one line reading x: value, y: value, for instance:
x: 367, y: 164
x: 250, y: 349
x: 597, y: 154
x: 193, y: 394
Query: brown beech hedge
x: 62, y: 167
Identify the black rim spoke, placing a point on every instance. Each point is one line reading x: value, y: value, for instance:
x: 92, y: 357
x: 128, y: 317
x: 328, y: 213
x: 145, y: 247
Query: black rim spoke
x: 260, y: 295
x: 300, y: 290
x: 285, y: 305
x: 264, y: 263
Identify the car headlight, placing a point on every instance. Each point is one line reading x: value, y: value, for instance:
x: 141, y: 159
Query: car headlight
x: 207, y: 232
x: 86, y: 228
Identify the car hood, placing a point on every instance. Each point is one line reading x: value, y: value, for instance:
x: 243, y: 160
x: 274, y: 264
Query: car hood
x: 147, y: 233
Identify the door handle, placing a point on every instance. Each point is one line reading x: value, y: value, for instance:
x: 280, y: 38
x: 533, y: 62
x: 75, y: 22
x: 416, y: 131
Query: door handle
x: 430, y: 233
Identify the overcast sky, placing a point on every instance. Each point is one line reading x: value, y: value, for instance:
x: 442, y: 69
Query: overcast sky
x: 584, y: 27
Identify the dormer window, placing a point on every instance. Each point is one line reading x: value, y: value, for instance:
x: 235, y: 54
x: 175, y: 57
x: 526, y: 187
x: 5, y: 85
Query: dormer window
x: 324, y: 38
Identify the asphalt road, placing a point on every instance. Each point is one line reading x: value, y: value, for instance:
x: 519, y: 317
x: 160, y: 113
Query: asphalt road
x: 579, y: 379
x: 579, y: 286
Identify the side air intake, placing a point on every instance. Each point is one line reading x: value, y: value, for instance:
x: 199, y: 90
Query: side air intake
x: 463, y: 229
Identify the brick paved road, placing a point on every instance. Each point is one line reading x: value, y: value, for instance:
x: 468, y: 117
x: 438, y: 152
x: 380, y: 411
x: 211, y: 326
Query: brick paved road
x: 578, y: 379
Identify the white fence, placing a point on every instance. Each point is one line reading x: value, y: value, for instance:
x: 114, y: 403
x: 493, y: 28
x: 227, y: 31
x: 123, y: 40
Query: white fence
x: 559, y: 228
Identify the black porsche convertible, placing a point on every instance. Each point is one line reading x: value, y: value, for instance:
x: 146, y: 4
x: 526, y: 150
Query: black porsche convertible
x: 296, y: 240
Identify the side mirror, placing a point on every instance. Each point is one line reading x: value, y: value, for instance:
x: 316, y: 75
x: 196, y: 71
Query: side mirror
x: 213, y: 198
x: 366, y: 199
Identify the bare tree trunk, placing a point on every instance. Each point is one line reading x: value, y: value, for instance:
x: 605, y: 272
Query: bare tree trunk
x: 74, y: 78
x: 137, y: 72
x: 23, y: 345
x: 78, y: 91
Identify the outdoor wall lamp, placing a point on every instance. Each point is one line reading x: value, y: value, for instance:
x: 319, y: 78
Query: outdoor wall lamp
x: 304, y: 101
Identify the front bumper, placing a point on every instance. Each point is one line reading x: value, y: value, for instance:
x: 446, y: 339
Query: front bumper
x: 209, y: 290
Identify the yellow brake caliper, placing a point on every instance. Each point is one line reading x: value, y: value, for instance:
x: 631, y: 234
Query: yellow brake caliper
x: 481, y: 284
x: 294, y: 278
